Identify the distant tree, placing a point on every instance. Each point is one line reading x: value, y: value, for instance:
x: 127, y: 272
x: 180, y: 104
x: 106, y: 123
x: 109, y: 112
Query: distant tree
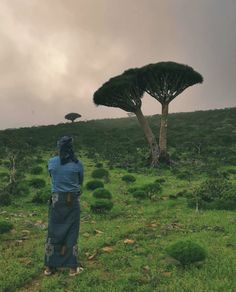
x: 72, y: 116
x: 165, y: 81
x: 124, y: 92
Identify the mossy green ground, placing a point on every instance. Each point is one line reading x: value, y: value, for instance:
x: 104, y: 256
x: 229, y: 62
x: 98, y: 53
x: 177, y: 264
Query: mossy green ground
x: 110, y: 261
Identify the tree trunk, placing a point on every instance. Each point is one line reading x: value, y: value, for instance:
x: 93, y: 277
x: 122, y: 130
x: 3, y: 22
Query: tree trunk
x: 149, y: 136
x: 163, y: 134
x: 13, y: 169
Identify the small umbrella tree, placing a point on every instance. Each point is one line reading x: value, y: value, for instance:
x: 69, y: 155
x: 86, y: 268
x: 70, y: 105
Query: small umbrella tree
x: 124, y: 92
x: 72, y: 116
x: 165, y: 81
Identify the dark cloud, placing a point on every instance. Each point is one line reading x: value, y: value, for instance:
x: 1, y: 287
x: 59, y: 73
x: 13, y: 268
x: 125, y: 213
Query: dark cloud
x: 55, y: 54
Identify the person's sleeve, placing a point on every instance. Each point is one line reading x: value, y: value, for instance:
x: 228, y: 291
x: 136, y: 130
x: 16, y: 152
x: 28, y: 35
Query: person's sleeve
x: 81, y: 174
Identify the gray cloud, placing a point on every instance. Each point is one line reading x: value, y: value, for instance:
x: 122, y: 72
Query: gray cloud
x: 55, y: 54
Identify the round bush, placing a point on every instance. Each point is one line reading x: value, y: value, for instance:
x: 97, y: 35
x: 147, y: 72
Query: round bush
x: 22, y: 188
x: 94, y: 184
x: 5, y: 198
x: 41, y: 197
x: 139, y: 194
x: 102, y: 193
x: 101, y: 206
x: 184, y: 175
x: 152, y: 188
x: 99, y: 165
x: 37, y: 170
x: 17, y: 188
x: 187, y: 252
x: 160, y: 180
x: 4, y: 174
x: 5, y: 226
x: 133, y: 189
x: 128, y: 178
x: 100, y: 173
x: 37, y: 183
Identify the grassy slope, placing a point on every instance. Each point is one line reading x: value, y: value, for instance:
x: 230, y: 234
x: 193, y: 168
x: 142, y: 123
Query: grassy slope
x: 153, y: 225
x: 134, y: 267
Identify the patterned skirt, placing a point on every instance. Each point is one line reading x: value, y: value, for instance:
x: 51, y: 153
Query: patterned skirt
x: 63, y: 230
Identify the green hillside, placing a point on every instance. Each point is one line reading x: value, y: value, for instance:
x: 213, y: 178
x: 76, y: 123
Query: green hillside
x: 126, y: 248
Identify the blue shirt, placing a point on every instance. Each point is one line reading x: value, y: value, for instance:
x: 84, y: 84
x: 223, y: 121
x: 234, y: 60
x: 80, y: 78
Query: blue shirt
x: 65, y: 178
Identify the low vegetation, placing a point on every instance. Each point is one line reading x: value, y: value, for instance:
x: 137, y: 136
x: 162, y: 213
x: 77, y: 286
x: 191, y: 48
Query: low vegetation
x: 146, y: 238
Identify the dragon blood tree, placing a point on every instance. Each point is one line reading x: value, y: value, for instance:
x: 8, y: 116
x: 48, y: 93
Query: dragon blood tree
x: 165, y: 81
x: 124, y: 92
x: 72, y: 116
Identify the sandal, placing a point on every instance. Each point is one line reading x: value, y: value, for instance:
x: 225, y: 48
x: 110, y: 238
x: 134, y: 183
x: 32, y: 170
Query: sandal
x: 48, y: 271
x: 73, y: 272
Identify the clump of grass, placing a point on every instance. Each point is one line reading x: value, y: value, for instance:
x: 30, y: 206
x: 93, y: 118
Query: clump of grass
x: 187, y: 252
x: 5, y: 198
x: 101, y: 206
x: 5, y: 226
x: 94, y: 184
x: 37, y: 183
x: 99, y: 165
x: 17, y: 188
x: 100, y: 173
x: 41, y: 197
x: 102, y: 193
x: 140, y: 194
x: 160, y: 180
x: 36, y: 170
x: 128, y: 178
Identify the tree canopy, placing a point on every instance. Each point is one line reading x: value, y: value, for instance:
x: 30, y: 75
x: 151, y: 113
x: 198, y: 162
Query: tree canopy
x: 165, y: 80
x: 121, y: 91
x: 72, y: 116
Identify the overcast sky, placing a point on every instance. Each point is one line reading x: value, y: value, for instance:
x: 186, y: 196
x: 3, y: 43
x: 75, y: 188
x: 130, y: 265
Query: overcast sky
x: 55, y: 53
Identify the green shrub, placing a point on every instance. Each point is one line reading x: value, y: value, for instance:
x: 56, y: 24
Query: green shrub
x: 100, y: 173
x: 182, y: 193
x: 5, y: 226
x: 133, y: 189
x: 99, y: 165
x: 160, y: 180
x: 37, y: 170
x: 102, y: 193
x: 187, y: 252
x: 94, y: 184
x: 139, y: 194
x: 184, y: 175
x: 173, y: 197
x: 101, y: 206
x: 232, y: 171
x: 17, y: 188
x: 41, y: 197
x: 5, y: 198
x: 152, y: 188
x: 216, y: 193
x: 37, y: 183
x: 128, y: 178
x: 4, y: 176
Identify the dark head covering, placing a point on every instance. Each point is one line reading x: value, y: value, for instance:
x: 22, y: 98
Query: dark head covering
x: 65, y: 147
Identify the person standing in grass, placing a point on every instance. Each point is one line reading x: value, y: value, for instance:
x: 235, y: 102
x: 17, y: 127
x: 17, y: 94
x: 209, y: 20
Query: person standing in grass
x: 67, y: 174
